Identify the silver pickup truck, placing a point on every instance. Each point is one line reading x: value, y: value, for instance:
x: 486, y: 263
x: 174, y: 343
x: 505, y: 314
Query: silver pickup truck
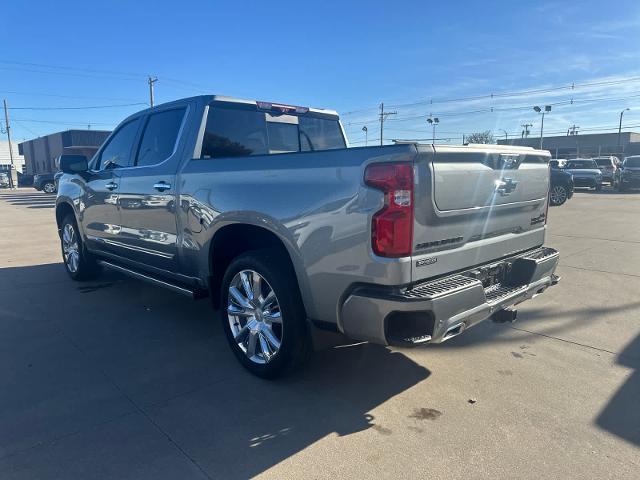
x: 263, y: 207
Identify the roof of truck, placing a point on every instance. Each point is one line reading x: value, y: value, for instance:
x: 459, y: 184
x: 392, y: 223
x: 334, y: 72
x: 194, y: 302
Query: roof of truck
x: 224, y: 98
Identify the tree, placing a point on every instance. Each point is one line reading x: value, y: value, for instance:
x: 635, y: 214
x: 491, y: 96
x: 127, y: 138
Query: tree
x: 480, y: 137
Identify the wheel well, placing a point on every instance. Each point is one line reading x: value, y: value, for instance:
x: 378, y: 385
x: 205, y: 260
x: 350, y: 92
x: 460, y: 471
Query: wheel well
x: 234, y: 240
x: 62, y: 211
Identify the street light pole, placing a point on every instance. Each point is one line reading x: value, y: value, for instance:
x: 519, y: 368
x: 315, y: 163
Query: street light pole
x: 366, y: 135
x: 620, y: 128
x: 547, y: 109
x: 433, y: 122
x: 506, y: 135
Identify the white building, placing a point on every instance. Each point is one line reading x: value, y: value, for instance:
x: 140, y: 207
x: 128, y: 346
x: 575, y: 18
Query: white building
x: 5, y: 158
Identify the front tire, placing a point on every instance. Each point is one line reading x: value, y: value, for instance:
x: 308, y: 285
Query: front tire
x: 558, y: 195
x: 262, y: 313
x: 79, y: 264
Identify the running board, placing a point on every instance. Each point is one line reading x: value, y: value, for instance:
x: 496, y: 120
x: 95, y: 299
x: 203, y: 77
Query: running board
x: 192, y: 293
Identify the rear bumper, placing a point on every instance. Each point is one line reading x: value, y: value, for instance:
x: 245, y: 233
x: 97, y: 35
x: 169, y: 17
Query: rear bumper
x: 434, y: 311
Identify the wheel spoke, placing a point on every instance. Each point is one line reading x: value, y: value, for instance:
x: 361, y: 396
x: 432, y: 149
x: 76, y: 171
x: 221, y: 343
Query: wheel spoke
x: 251, y: 345
x: 264, y: 346
x: 239, y: 298
x: 275, y: 317
x: 256, y: 291
x: 239, y: 311
x: 246, y: 285
x: 270, y: 337
x: 241, y: 336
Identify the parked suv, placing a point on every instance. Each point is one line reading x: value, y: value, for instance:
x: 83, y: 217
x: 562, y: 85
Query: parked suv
x: 263, y: 207
x: 585, y: 172
x: 628, y: 174
x: 45, y: 182
x: 608, y: 167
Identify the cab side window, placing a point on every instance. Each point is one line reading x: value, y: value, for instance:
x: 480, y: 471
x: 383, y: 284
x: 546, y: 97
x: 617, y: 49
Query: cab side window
x: 159, y: 137
x: 118, y: 152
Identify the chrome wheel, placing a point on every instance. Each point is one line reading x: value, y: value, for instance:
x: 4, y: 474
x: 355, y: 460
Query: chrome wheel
x: 49, y: 187
x: 70, y: 248
x: 558, y: 195
x: 254, y: 316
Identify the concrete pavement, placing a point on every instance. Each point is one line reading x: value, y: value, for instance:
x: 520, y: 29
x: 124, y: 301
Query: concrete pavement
x: 119, y: 379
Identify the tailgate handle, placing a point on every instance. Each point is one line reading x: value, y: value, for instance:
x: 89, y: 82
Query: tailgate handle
x: 505, y: 186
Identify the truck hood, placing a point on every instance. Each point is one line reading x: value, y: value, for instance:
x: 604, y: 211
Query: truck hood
x: 584, y: 172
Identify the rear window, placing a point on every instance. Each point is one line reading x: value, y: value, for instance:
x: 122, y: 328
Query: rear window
x: 241, y: 131
x: 632, y: 162
x: 603, y: 162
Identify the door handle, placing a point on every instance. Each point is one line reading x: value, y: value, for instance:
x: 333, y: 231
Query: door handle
x: 111, y: 186
x: 162, y: 186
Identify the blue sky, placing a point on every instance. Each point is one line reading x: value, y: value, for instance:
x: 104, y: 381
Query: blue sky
x: 348, y: 55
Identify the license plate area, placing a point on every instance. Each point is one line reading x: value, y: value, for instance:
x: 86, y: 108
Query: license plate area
x: 493, y: 274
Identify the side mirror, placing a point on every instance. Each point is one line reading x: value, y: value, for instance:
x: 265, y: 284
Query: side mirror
x: 73, y: 163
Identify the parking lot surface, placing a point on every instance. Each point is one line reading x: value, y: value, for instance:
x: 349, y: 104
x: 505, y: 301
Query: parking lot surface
x: 120, y: 379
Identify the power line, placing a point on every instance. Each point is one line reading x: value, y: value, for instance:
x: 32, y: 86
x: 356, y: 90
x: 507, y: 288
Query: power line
x: 491, y: 96
x: 91, y: 107
x: 37, y: 94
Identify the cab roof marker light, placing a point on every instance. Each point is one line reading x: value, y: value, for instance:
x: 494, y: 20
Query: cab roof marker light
x: 281, y: 107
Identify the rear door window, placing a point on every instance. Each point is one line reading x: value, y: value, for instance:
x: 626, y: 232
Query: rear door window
x: 159, y: 137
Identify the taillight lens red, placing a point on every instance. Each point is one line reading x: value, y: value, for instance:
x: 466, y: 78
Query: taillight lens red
x: 392, y: 226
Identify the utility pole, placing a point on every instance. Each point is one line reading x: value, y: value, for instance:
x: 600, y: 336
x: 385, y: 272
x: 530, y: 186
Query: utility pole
x: 525, y: 131
x: 383, y: 117
x: 151, y: 81
x: 573, y: 130
x: 8, y: 128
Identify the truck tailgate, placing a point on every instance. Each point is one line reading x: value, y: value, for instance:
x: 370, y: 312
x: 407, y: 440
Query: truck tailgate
x: 476, y: 204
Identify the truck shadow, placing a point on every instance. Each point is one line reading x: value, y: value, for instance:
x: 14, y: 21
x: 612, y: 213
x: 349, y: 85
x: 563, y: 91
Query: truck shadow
x: 168, y: 355
x: 621, y: 416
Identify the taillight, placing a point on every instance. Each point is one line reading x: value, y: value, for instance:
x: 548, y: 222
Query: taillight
x: 392, y: 226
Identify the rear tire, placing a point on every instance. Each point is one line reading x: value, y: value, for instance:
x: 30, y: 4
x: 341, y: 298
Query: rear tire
x: 79, y: 264
x: 262, y: 313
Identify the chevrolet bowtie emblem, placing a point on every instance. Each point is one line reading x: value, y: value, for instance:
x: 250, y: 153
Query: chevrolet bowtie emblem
x: 505, y: 186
